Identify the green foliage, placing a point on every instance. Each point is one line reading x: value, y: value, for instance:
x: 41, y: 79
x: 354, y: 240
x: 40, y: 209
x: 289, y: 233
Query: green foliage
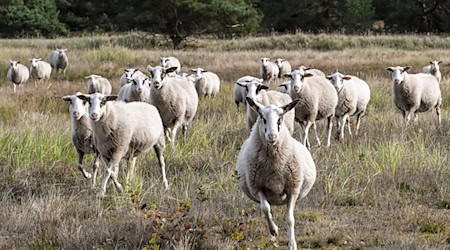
x: 357, y: 15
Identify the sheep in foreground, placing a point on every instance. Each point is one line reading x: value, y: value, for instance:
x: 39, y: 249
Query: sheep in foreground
x: 273, y: 167
x: 137, y: 91
x: 353, y: 97
x: 124, y: 130
x: 414, y: 93
x: 175, y: 98
x: 169, y: 62
x: 433, y: 69
x: 283, y: 66
x: 318, y: 100
x: 239, y: 92
x: 40, y: 69
x: 58, y: 60
x: 128, y: 75
x: 206, y: 83
x: 82, y: 136
x: 98, y: 84
x: 268, y: 70
x: 17, y: 74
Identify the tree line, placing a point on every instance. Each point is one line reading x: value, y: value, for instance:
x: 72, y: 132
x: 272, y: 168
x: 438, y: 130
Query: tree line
x: 179, y: 19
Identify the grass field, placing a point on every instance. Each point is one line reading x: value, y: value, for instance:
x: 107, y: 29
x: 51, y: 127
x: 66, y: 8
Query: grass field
x: 387, y: 188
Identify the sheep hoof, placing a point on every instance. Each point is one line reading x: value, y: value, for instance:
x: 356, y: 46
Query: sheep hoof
x: 87, y: 175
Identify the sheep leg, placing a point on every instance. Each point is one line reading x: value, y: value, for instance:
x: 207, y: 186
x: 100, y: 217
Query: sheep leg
x: 358, y: 122
x: 265, y: 208
x: 130, y: 173
x: 110, y: 172
x: 349, y: 126
x: 14, y: 87
x: 330, y: 127
x: 185, y: 128
x: 291, y: 220
x: 316, y: 134
x: 86, y: 174
x: 95, y: 168
x: 438, y: 113
x: 305, y: 139
x: 174, y: 134
x: 159, y: 150
x: 344, y: 120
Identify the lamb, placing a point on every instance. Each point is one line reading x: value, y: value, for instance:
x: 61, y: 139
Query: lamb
x: 98, y: 84
x: 413, y: 93
x: 433, y: 69
x: 137, y: 91
x: 283, y: 66
x: 128, y: 74
x: 273, y: 167
x: 124, y: 130
x: 17, y: 74
x: 82, y: 136
x: 268, y: 70
x: 40, y: 69
x: 257, y: 92
x: 175, y: 98
x: 207, y: 83
x: 239, y: 92
x: 58, y: 60
x: 169, y: 62
x: 353, y: 98
x: 318, y: 100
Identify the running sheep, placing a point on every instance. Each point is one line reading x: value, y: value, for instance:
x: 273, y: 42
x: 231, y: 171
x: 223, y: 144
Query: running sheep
x: 58, y: 60
x: 98, y: 84
x: 17, y: 74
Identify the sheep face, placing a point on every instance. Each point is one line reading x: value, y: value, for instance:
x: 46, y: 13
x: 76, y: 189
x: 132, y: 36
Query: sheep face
x: 279, y: 62
x: 158, y: 74
x: 252, y: 87
x: 13, y: 64
x: 97, y: 103
x: 34, y: 62
x: 77, y: 107
x: 297, y: 79
x: 93, y: 79
x: 61, y: 53
x: 337, y: 79
x: 139, y: 83
x: 129, y: 74
x: 265, y: 61
x: 270, y: 119
x: 398, y: 73
x: 435, y: 65
x: 198, y: 71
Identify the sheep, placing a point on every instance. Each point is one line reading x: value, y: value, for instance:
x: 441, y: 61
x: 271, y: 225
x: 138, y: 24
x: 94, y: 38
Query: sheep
x: 284, y: 87
x: 17, y: 74
x: 137, y: 91
x: 353, y: 98
x: 40, y: 69
x: 124, y: 130
x: 433, y: 69
x: 82, y: 136
x: 257, y: 92
x: 58, y: 60
x: 169, y: 62
x: 268, y: 70
x: 175, y: 98
x: 318, y: 100
x: 98, y: 84
x: 273, y: 167
x: 207, y: 83
x: 239, y: 92
x: 315, y: 72
x: 283, y: 66
x: 413, y: 93
x: 128, y: 74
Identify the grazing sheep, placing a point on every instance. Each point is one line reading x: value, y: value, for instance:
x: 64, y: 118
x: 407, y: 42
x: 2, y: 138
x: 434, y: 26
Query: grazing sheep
x: 433, y: 69
x: 413, y: 93
x: 353, y: 97
x: 82, y: 136
x: 129, y: 74
x: 40, y: 69
x: 169, y: 62
x: 206, y: 83
x: 273, y: 167
x: 137, y: 91
x: 257, y: 92
x: 98, y: 84
x: 175, y: 98
x: 268, y: 70
x: 124, y: 130
x: 239, y: 92
x: 318, y: 100
x: 17, y: 74
x: 58, y: 60
x: 283, y: 66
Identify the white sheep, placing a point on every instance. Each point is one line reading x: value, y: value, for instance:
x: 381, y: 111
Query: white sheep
x: 169, y: 62
x: 175, y: 98
x: 137, y: 91
x: 273, y: 167
x: 40, y: 69
x: 98, y: 84
x: 314, y: 72
x: 206, y: 83
x: 239, y: 92
x: 284, y: 87
x: 58, y: 60
x: 82, y: 135
x: 128, y: 74
x: 268, y: 70
x: 318, y: 100
x: 353, y: 98
x: 413, y: 93
x: 433, y: 69
x: 17, y: 74
x: 283, y: 66
x: 124, y: 130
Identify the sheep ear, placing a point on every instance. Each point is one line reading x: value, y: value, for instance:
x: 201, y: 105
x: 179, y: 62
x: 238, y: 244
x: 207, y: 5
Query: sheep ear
x: 439, y: 62
x: 389, y: 69
x: 287, y: 75
x: 307, y: 68
x: 31, y: 59
x: 286, y: 108
x: 66, y: 98
x: 39, y: 59
x: 169, y: 70
x: 347, y: 77
x: 149, y: 68
x: 241, y: 84
x: 110, y: 98
x: 308, y: 75
x: 406, y: 68
x: 261, y: 87
x: 87, y: 77
x: 255, y: 106
x: 431, y: 62
x: 84, y: 97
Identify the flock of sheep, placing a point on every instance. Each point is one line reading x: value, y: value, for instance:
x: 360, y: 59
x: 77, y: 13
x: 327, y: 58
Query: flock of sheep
x: 274, y: 168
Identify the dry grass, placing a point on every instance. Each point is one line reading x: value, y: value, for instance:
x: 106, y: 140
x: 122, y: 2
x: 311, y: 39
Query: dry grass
x: 386, y: 188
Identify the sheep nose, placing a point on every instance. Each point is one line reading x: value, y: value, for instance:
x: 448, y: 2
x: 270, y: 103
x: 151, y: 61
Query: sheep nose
x: 396, y: 81
x: 139, y: 90
x: 272, y: 138
x: 76, y: 113
x: 296, y: 88
x: 94, y: 116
